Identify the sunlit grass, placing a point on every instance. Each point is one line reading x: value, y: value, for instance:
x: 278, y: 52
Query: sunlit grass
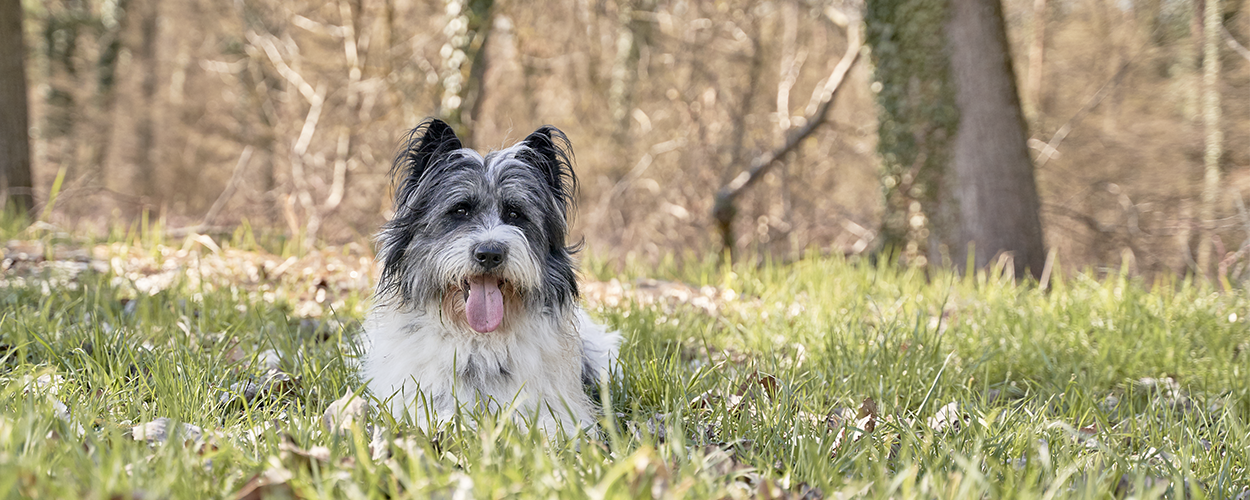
x: 1097, y: 387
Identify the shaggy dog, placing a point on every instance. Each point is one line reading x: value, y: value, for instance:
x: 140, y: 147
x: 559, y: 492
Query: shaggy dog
x: 476, y: 307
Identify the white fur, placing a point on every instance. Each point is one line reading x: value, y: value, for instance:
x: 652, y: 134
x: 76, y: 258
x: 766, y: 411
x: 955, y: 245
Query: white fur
x: 411, y: 358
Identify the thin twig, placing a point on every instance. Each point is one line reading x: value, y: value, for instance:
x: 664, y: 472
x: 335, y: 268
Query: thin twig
x: 1233, y: 44
x: 1052, y: 147
x: 231, y: 186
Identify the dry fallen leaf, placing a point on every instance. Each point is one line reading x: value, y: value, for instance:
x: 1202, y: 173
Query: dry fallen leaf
x: 158, y: 431
x: 343, y: 413
x: 767, y: 382
x: 274, y: 383
x: 288, y: 449
x: 865, y: 422
x: 269, y: 484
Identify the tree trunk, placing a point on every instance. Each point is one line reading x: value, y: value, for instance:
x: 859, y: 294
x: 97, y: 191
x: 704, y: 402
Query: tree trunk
x: 634, y: 33
x: 993, y: 198
x: 464, y: 64
x: 15, y: 172
x: 1214, y: 134
x: 111, y: 40
x: 145, y: 174
x: 1037, y: 56
x: 61, y: 43
x: 957, y: 172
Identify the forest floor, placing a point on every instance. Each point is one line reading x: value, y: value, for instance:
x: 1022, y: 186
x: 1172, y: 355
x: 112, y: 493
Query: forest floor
x: 200, y: 368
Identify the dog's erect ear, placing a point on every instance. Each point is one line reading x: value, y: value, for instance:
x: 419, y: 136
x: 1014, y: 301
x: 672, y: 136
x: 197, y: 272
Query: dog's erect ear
x: 426, y: 144
x: 430, y: 140
x: 554, y: 155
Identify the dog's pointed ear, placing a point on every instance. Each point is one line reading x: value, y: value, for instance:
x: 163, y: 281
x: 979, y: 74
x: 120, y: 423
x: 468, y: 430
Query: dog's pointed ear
x: 554, y: 155
x: 428, y: 141
x: 424, y: 145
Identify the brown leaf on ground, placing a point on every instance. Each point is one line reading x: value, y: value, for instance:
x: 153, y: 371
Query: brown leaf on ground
x: 748, y: 392
x: 293, y: 453
x: 865, y: 422
x: 757, y: 379
x: 866, y: 419
x: 274, y: 383
x: 269, y: 484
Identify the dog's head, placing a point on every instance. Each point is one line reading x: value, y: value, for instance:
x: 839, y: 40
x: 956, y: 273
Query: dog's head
x: 481, y: 237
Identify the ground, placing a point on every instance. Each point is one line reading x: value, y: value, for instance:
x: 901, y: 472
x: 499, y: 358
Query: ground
x: 209, y: 367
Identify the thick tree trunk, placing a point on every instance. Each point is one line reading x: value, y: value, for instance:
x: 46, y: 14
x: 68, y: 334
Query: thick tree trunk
x: 992, y: 199
x: 1037, y: 55
x: 61, y: 42
x: 957, y: 174
x: 15, y: 172
x: 112, y: 46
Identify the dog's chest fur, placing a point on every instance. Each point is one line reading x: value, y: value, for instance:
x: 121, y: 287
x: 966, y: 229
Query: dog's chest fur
x: 539, y: 366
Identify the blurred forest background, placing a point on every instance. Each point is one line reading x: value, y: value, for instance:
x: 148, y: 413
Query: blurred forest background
x: 287, y: 113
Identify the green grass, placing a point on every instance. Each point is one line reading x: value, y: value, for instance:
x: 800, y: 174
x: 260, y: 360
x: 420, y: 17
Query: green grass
x: 724, y: 398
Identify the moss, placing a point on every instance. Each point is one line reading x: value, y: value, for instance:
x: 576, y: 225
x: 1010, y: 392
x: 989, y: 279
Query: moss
x: 918, y: 115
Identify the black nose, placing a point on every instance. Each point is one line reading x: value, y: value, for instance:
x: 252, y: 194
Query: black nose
x: 490, y: 254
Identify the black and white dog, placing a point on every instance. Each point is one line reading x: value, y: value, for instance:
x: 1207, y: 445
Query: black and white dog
x: 476, y: 307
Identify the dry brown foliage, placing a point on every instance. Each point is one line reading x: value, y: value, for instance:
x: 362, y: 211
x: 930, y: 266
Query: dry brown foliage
x: 319, y: 93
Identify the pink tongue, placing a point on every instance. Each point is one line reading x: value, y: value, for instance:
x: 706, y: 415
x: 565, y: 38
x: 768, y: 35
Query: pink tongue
x: 484, y: 307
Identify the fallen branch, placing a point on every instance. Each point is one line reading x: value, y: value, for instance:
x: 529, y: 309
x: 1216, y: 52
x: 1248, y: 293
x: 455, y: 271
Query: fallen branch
x: 724, y: 210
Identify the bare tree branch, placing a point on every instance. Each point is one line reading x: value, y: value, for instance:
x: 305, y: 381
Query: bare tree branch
x: 265, y: 43
x: 724, y: 210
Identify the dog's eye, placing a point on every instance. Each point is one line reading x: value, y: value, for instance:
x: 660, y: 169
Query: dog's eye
x: 512, y: 215
x: 460, y: 210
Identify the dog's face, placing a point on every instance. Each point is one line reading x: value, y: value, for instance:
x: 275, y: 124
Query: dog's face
x: 480, y: 238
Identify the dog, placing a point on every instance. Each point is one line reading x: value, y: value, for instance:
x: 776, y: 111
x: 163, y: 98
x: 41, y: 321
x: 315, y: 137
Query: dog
x: 476, y: 307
